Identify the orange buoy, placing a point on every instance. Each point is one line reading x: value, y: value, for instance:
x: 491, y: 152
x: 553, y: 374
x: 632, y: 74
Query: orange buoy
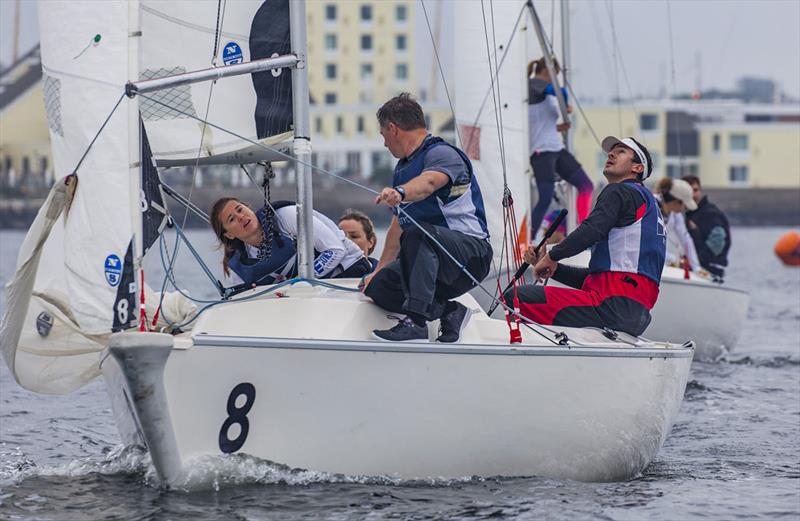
x: 788, y: 248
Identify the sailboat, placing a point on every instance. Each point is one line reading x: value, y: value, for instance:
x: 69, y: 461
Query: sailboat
x: 681, y: 311
x: 294, y: 376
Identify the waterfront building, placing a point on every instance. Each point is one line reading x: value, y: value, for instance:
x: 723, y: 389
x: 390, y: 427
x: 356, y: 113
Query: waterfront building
x: 727, y: 144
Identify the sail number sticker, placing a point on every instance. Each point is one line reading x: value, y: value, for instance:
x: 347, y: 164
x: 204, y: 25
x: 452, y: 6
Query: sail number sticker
x: 231, y: 53
x: 113, y: 270
x: 237, y: 415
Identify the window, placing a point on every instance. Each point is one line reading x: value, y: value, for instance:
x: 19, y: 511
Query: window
x: 366, y: 71
x: 715, y: 142
x: 738, y: 175
x: 330, y: 12
x: 330, y: 42
x: 648, y: 122
x: 330, y: 98
x: 366, y: 42
x: 339, y: 124
x: 318, y: 125
x: 400, y: 42
x: 401, y: 13
x: 738, y: 142
x: 360, y: 124
x: 366, y: 13
x: 401, y: 71
x: 330, y: 71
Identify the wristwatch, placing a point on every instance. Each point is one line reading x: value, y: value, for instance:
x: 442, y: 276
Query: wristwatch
x: 402, y: 191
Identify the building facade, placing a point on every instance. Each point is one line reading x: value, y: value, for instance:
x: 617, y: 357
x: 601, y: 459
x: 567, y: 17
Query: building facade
x: 727, y: 144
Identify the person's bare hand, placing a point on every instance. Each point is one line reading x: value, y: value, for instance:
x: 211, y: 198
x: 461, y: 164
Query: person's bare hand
x: 545, y: 267
x: 562, y: 127
x: 390, y: 196
x: 531, y: 256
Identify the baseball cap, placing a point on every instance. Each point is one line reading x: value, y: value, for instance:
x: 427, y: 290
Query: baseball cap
x: 682, y: 191
x: 641, y: 152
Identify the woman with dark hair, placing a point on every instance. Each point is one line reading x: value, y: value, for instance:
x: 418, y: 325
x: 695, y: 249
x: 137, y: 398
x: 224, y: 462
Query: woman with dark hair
x: 674, y: 196
x: 260, y: 247
x: 548, y: 156
x: 359, y: 229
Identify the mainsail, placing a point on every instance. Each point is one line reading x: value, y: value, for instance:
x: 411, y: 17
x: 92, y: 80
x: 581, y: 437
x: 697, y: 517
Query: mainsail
x: 77, y: 273
x: 183, y: 36
x: 479, y: 107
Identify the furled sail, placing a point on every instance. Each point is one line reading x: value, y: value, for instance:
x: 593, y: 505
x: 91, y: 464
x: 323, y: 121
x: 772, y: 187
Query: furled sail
x: 183, y: 36
x: 478, y: 111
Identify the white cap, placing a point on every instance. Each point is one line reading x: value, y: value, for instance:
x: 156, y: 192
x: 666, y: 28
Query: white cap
x: 610, y: 141
x: 682, y: 191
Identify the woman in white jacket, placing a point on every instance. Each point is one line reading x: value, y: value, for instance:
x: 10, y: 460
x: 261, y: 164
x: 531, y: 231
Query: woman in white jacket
x: 675, y: 197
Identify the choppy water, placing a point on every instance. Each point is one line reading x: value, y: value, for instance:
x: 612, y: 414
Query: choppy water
x: 733, y: 453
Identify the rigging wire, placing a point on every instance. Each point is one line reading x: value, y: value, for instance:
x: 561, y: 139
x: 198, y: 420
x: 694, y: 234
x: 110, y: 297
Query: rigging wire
x: 674, y: 92
x: 97, y: 134
x: 441, y: 72
x: 615, y: 57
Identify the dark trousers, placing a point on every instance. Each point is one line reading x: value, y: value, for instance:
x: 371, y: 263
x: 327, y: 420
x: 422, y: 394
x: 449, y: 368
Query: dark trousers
x: 424, y: 278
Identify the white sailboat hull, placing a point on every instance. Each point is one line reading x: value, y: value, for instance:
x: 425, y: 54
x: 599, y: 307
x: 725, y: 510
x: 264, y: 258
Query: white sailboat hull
x: 417, y: 410
x: 710, y: 314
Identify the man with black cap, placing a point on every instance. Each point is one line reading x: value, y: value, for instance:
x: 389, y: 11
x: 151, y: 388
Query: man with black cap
x: 625, y: 231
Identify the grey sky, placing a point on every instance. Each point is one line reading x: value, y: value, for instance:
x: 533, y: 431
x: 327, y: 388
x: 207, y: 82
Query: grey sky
x: 731, y: 37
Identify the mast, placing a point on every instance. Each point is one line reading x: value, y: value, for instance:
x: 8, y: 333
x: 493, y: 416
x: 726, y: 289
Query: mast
x: 135, y: 157
x: 566, y: 49
x: 302, y: 141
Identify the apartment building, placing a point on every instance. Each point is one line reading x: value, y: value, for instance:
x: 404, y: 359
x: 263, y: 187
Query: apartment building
x: 728, y: 144
x: 361, y: 53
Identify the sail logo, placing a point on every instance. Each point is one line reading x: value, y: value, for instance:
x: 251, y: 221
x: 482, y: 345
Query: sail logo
x: 113, y: 270
x: 231, y: 53
x: 44, y: 323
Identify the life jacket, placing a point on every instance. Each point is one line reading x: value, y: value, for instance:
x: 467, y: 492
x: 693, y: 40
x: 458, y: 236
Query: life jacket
x: 281, y: 263
x: 640, y: 247
x: 456, y: 206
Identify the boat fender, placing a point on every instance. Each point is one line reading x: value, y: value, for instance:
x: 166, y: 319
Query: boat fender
x: 787, y: 248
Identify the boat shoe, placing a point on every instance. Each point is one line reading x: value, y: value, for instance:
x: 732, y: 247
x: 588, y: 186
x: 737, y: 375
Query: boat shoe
x: 404, y: 331
x: 453, y: 322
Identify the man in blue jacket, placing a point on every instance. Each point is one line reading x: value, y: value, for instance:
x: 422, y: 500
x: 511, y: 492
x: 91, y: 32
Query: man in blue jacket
x: 437, y: 206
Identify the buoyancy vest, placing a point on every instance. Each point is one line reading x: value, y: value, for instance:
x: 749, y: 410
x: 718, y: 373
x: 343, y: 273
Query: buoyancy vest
x: 640, y: 247
x: 281, y: 263
x: 456, y: 206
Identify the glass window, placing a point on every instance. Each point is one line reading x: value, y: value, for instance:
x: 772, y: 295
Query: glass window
x: 400, y: 42
x: 738, y: 142
x: 366, y: 42
x: 330, y: 12
x: 715, y: 142
x: 339, y: 124
x: 330, y: 42
x: 330, y: 98
x: 318, y: 125
x: 401, y: 71
x: 648, y: 121
x: 360, y: 124
x: 366, y: 71
x: 330, y: 71
x: 738, y: 174
x: 401, y: 13
x: 366, y: 13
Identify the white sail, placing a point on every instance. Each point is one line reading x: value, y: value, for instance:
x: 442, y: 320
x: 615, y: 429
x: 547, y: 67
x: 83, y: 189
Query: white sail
x: 477, y: 115
x: 181, y: 36
x: 70, y: 268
